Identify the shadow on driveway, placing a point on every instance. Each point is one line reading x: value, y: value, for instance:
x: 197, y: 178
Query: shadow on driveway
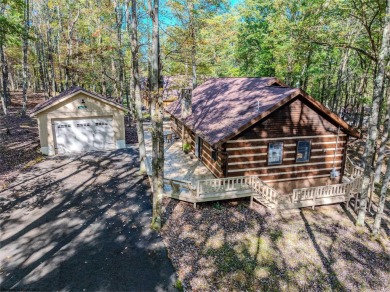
x: 82, y: 224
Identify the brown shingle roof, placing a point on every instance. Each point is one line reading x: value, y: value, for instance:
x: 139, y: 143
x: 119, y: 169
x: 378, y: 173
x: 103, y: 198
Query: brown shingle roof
x: 71, y: 91
x: 223, y: 107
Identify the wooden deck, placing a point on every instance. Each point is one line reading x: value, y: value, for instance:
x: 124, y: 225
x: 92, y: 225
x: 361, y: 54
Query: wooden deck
x: 254, y: 188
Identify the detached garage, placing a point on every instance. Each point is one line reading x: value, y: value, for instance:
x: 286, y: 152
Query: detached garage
x: 78, y: 120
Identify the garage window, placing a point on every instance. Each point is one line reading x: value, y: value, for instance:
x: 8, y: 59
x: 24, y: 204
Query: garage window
x: 84, y: 125
x: 63, y: 126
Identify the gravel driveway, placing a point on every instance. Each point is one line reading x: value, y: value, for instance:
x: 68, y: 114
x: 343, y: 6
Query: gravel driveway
x: 81, y: 223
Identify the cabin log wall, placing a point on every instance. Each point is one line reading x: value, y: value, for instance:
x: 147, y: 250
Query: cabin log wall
x: 296, y: 121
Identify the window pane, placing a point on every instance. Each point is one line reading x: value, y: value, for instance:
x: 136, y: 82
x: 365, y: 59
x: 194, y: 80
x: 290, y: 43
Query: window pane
x: 275, y: 153
x: 303, y: 151
x: 214, y: 155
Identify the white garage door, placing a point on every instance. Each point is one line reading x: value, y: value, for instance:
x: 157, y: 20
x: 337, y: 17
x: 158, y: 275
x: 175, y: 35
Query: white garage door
x: 84, y: 135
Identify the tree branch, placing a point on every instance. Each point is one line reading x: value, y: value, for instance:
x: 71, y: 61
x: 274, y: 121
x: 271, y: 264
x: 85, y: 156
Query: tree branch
x: 346, y: 46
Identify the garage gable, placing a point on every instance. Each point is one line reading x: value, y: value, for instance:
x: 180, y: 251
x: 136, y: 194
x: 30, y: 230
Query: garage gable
x: 79, y: 105
x: 77, y: 99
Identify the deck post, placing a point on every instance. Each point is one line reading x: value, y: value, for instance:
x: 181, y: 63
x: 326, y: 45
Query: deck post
x: 371, y: 190
x: 251, y: 202
x: 314, y: 199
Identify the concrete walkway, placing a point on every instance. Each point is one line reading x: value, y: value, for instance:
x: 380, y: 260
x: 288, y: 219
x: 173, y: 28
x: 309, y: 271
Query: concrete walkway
x: 179, y: 165
x: 82, y: 223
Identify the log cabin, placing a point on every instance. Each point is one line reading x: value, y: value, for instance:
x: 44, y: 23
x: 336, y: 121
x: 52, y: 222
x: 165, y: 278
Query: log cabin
x: 260, y: 126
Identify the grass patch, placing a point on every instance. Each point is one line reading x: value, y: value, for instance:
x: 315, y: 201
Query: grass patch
x: 178, y: 285
x: 33, y: 162
x: 217, y: 206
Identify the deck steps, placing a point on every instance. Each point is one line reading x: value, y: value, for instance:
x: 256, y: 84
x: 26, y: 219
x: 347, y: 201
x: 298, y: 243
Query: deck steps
x: 187, y: 196
x: 263, y: 201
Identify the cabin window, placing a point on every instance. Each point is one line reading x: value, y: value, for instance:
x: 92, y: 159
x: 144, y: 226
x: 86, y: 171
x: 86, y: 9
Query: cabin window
x: 303, y: 151
x: 214, y: 154
x: 275, y: 153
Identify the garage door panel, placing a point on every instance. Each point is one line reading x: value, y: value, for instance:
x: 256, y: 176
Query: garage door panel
x: 103, y: 135
x: 84, y: 135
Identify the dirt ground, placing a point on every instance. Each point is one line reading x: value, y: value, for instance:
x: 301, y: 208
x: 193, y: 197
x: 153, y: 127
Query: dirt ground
x: 19, y: 149
x: 229, y: 247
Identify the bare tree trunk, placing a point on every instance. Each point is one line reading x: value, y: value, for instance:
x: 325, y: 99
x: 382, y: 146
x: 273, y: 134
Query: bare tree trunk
x: 157, y: 118
x: 305, y: 74
x: 133, y: 29
x: 25, y: 52
x: 69, y: 46
x: 340, y: 76
x: 11, y: 80
x: 373, y: 124
x: 119, y: 23
x: 61, y: 87
x: 4, y: 71
x: 382, y: 201
x: 136, y: 83
x: 193, y: 44
x: 40, y: 63
x: 382, y: 148
x: 50, y: 48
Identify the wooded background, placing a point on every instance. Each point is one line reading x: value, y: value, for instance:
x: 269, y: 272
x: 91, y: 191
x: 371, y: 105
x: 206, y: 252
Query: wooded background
x: 328, y: 48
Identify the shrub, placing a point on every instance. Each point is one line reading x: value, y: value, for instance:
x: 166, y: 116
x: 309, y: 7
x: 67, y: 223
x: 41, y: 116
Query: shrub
x: 179, y: 286
x: 186, y: 148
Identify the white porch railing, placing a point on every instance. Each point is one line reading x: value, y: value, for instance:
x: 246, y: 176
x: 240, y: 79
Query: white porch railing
x: 345, y: 189
x: 328, y: 191
x: 211, y: 187
x: 215, y: 187
x: 224, y: 188
x: 352, y: 169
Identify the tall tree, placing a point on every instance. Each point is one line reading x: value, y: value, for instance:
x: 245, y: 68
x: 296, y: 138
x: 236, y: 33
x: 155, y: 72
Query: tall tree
x: 132, y: 23
x: 378, y: 94
x: 4, y: 71
x: 26, y: 23
x: 156, y: 116
x: 382, y: 201
x: 383, y: 145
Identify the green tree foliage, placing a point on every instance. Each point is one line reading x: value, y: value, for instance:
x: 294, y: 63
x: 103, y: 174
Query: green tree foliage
x: 190, y: 46
x: 10, y: 20
x: 305, y: 43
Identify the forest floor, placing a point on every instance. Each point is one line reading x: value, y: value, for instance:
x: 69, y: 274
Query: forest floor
x: 227, y: 246
x: 19, y: 149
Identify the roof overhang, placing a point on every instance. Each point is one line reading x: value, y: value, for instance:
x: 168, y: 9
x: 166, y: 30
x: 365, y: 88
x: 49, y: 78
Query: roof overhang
x: 298, y: 92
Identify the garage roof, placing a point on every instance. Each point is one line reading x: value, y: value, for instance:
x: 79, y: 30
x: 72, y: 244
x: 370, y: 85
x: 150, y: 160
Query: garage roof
x: 72, y: 91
